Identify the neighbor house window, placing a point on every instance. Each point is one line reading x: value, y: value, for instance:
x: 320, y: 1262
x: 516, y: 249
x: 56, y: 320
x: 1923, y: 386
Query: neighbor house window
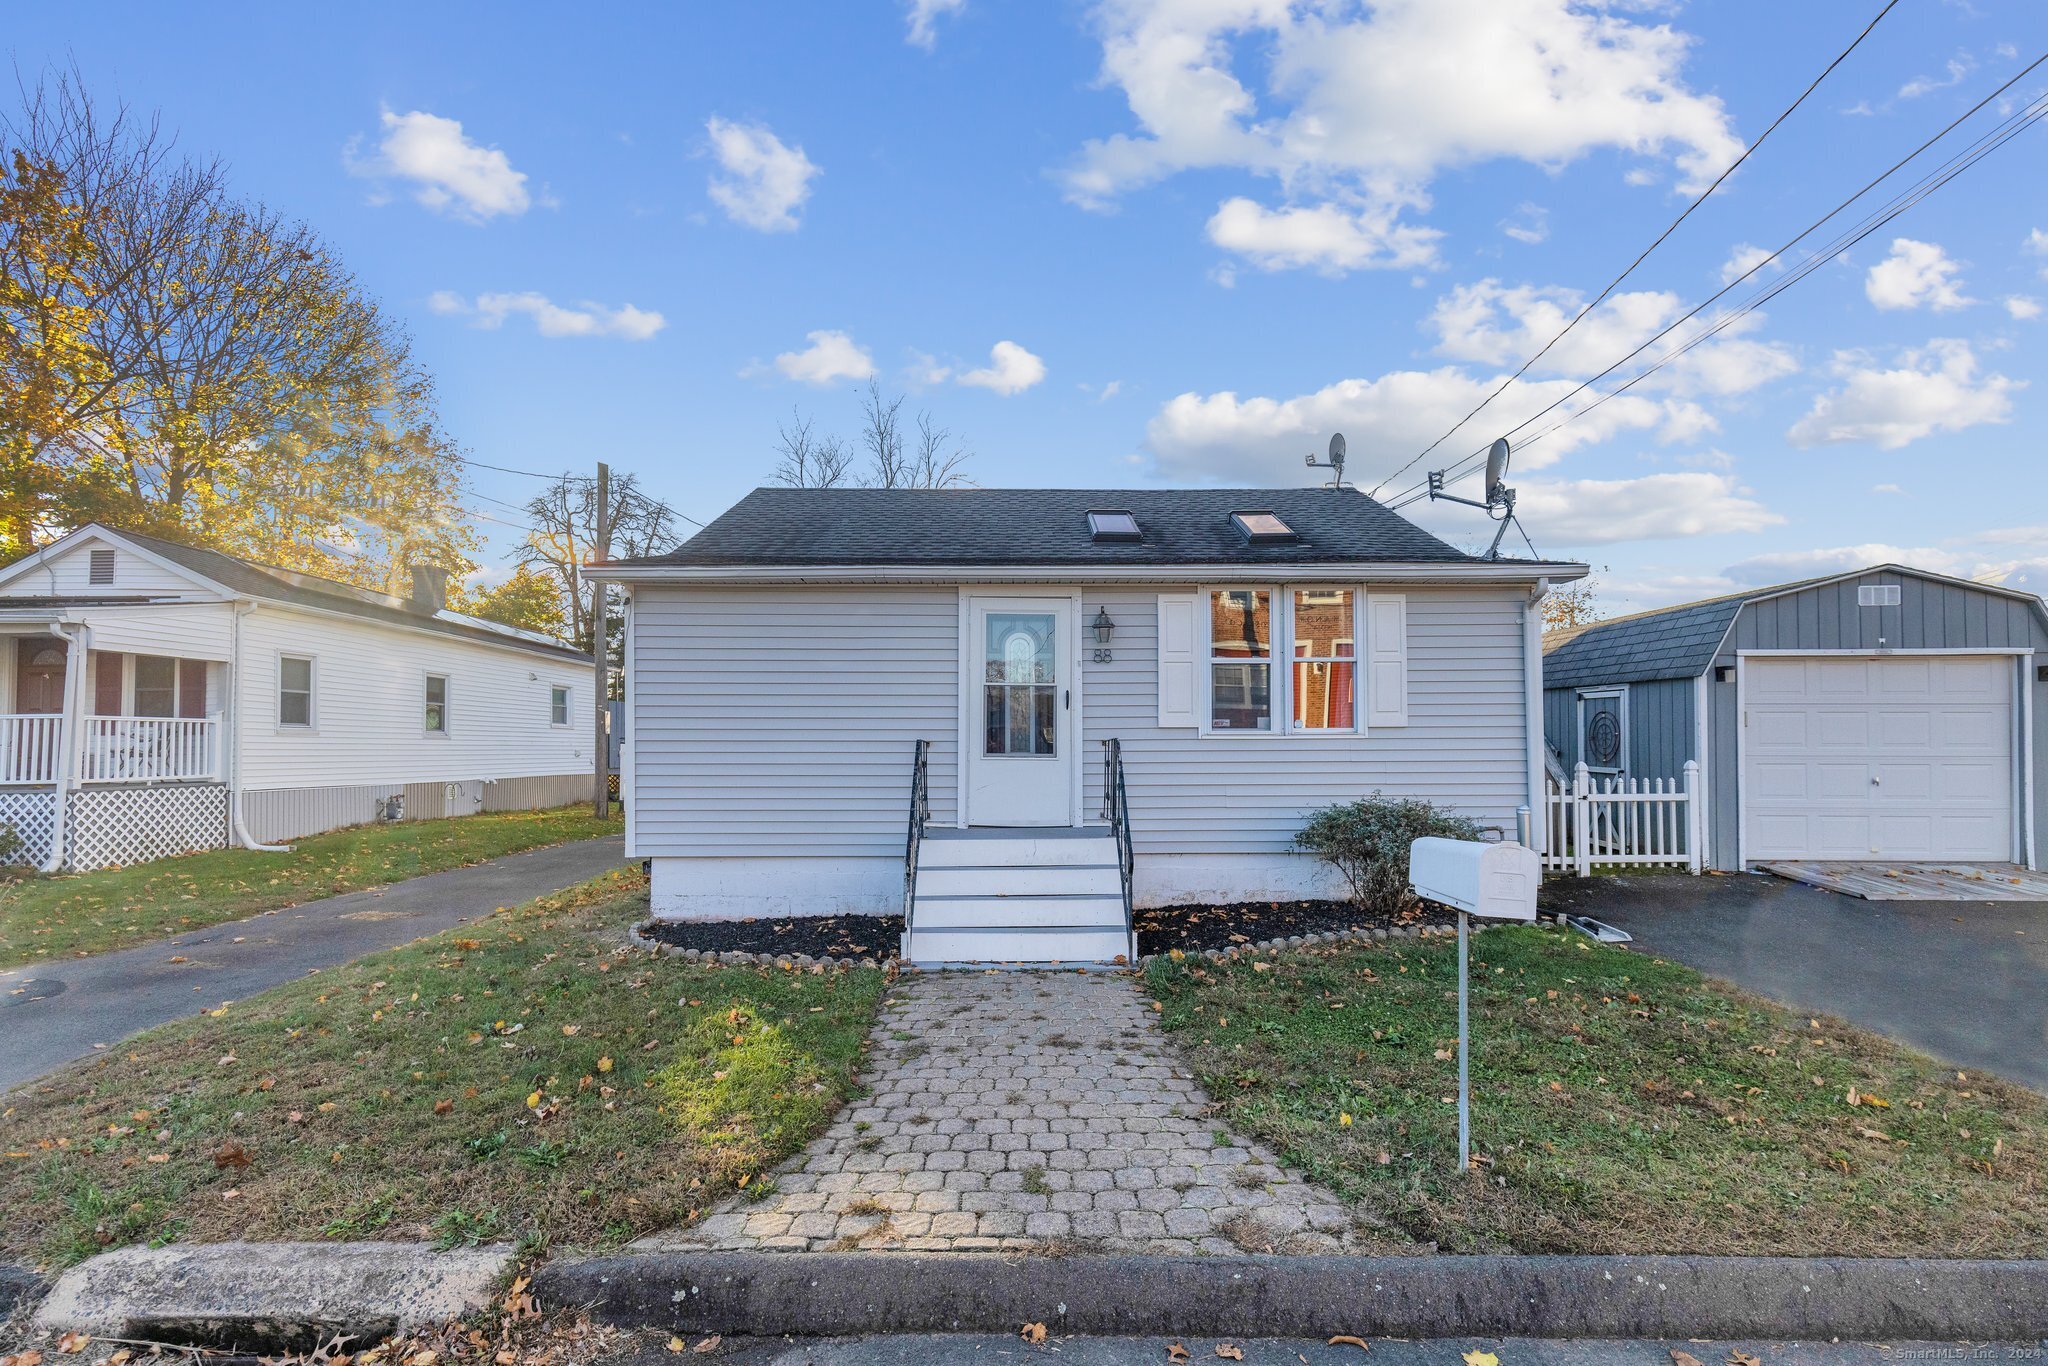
x: 1241, y: 659
x: 294, y: 690
x: 437, y: 704
x: 1325, y: 677
x: 156, y: 686
x: 558, y: 706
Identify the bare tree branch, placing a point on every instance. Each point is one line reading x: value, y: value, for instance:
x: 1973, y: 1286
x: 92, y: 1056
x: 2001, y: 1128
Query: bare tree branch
x: 810, y: 461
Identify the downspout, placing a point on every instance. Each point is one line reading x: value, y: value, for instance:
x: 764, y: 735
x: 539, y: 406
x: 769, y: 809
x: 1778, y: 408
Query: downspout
x: 1532, y: 711
x: 67, y: 737
x: 234, y: 739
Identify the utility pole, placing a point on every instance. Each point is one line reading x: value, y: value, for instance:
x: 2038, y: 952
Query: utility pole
x: 601, y: 798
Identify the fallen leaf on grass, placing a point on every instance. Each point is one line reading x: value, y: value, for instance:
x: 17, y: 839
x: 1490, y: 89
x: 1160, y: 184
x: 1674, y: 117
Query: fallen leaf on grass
x: 1176, y: 1352
x: 73, y: 1342
x: 1033, y: 1333
x: 231, y: 1155
x: 707, y: 1346
x: 1738, y: 1357
x: 29, y: 1358
x: 676, y: 1344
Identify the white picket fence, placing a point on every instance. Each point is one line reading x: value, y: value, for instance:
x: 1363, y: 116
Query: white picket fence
x: 1610, y: 822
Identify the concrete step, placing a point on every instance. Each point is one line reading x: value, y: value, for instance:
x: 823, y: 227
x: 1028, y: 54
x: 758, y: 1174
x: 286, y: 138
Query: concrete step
x: 933, y: 947
x: 1004, y: 912
x: 1019, y: 880
x: 1012, y: 848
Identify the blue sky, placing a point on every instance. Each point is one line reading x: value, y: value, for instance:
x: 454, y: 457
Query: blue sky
x: 1172, y: 241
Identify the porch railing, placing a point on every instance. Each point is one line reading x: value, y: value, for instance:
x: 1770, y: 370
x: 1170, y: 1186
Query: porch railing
x: 111, y: 749
x: 28, y: 749
x: 1116, y: 809
x: 1624, y: 822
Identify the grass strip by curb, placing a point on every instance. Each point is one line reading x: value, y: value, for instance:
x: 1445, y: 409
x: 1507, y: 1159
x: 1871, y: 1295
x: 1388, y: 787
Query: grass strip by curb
x: 532, y: 1077
x: 1621, y: 1104
x: 48, y: 918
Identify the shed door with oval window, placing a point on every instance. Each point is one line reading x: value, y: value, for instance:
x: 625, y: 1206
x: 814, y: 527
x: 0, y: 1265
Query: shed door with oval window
x: 1020, y: 753
x: 1603, y: 732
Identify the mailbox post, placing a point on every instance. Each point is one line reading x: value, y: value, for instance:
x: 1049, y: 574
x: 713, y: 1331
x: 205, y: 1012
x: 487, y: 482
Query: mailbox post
x: 1493, y: 882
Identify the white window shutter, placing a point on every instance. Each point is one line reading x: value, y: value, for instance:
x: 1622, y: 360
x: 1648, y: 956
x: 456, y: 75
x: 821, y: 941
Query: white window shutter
x: 1386, y: 659
x: 1177, y: 691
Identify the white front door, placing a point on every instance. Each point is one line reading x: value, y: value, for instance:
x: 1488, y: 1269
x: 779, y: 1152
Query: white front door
x: 1896, y: 757
x: 1020, y: 752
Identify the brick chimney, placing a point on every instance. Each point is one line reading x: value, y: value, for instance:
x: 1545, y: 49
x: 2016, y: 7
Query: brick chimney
x: 429, y: 588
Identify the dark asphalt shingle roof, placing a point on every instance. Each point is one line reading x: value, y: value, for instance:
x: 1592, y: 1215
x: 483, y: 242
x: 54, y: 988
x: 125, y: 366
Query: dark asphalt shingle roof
x: 248, y: 579
x: 1671, y: 642
x: 938, y: 527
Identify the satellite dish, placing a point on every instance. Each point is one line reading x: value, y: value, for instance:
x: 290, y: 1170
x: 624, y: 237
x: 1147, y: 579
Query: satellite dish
x: 1496, y: 468
x: 1337, y: 448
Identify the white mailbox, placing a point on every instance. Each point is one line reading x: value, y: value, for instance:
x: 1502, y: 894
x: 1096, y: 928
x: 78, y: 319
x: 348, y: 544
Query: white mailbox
x: 1496, y: 881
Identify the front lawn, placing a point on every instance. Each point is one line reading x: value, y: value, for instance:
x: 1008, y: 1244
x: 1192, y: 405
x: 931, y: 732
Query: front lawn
x: 530, y: 1077
x: 87, y: 913
x: 1621, y: 1104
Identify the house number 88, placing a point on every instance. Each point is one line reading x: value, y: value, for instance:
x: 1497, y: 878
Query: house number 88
x: 1102, y: 656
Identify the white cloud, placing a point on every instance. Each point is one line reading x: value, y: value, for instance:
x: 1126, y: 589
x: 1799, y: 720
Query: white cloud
x: 1916, y: 275
x: 449, y: 173
x: 1110, y: 391
x: 1530, y: 223
x: 1789, y: 565
x: 551, y: 319
x: 765, y: 182
x: 1356, y: 110
x: 1886, y: 488
x: 1261, y: 440
x: 1011, y: 370
x: 1499, y: 325
x: 920, y: 18
x: 1958, y: 66
x: 1742, y: 261
x: 2037, y: 243
x: 1654, y: 507
x: 831, y: 356
x: 1935, y: 388
x: 1328, y: 237
x: 2022, y: 308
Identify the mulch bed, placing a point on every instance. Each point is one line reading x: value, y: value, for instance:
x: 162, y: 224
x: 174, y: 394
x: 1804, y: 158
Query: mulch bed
x: 820, y: 936
x: 1254, y: 922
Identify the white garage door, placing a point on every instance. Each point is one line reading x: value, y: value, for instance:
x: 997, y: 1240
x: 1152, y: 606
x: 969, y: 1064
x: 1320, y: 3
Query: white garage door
x: 1904, y: 757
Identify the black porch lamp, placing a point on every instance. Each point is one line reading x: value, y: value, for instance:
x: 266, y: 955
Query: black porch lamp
x: 1103, y: 626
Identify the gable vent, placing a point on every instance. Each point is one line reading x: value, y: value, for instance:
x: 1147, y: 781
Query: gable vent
x: 102, y: 569
x: 1877, y: 595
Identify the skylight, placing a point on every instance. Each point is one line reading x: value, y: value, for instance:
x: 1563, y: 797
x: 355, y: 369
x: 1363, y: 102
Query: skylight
x: 1114, y: 526
x: 1262, y: 526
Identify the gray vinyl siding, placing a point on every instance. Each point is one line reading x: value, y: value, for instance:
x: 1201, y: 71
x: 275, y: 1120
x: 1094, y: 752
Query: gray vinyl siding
x: 1660, y: 726
x: 781, y: 721
x: 1931, y: 615
x: 1465, y: 745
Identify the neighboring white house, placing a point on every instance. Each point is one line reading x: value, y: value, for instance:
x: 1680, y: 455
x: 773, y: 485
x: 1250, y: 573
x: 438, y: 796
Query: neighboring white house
x: 156, y: 698
x: 837, y: 697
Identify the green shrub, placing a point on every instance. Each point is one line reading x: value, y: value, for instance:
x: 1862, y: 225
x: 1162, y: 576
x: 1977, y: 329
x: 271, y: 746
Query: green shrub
x: 1367, y: 841
x: 13, y: 848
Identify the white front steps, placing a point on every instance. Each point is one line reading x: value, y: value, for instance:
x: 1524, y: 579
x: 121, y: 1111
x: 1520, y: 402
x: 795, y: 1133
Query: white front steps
x: 1017, y: 896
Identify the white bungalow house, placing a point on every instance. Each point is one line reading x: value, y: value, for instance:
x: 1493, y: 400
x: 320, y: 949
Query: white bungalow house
x: 156, y: 699
x: 1015, y: 714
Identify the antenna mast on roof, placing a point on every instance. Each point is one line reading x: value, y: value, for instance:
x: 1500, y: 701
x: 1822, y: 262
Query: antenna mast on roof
x: 1498, y: 494
x: 1335, y: 464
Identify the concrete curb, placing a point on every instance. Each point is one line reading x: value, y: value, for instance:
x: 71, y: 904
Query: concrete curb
x: 271, y: 1296
x: 830, y: 1294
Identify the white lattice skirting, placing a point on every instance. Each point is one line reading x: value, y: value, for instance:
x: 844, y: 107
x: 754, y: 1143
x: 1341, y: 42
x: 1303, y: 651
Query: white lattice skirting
x: 111, y: 827
x: 32, y: 812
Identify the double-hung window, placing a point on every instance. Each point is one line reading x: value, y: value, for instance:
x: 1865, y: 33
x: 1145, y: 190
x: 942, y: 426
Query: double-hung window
x: 1323, y: 629
x: 558, y: 706
x: 436, y: 720
x: 294, y: 690
x: 1241, y: 659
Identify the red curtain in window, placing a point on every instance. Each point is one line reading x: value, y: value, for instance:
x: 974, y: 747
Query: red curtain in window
x: 106, y: 683
x: 192, y: 688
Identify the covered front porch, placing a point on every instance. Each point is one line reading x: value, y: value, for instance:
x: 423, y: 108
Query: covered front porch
x: 107, y: 755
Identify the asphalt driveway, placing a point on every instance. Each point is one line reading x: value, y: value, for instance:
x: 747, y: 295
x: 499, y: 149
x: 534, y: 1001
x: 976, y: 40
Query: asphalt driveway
x: 1966, y: 981
x: 53, y: 1012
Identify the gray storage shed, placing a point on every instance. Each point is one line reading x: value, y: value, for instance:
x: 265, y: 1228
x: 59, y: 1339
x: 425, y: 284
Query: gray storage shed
x: 1886, y: 714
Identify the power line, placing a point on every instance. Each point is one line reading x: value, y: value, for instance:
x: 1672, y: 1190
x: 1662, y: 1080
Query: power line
x: 1975, y: 152
x: 1615, y: 283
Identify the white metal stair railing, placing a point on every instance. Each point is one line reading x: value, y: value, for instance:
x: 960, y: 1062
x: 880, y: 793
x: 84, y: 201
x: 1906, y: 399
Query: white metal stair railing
x: 1624, y: 822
